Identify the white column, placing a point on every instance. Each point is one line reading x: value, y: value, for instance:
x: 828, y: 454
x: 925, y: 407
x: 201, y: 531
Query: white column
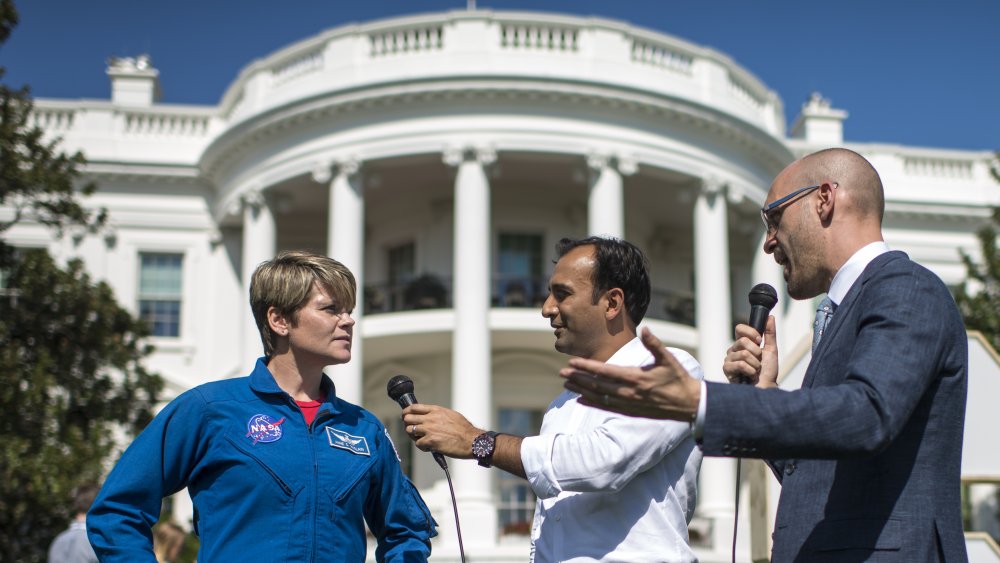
x: 471, y: 375
x: 258, y: 245
x: 712, y: 317
x: 606, y: 201
x: 345, y: 243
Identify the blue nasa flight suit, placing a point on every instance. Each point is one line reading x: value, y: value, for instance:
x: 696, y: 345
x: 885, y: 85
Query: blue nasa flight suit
x: 265, y: 486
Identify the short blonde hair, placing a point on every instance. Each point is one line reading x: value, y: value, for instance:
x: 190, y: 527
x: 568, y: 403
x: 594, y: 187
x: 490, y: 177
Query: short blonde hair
x: 285, y: 283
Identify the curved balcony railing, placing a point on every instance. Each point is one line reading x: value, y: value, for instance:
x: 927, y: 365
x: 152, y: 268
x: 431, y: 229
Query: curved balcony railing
x: 430, y: 291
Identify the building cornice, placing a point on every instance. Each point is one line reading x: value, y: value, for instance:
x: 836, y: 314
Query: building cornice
x: 467, y: 91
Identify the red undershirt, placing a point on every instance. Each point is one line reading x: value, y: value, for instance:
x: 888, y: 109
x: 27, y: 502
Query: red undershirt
x: 309, y: 409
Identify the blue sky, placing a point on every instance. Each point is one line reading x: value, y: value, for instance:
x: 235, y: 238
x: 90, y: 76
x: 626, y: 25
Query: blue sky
x: 914, y: 72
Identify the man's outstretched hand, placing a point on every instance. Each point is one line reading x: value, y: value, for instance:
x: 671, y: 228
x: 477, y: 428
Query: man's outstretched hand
x: 663, y: 389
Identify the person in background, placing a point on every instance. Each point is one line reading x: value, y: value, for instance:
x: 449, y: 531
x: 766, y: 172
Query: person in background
x: 72, y: 546
x: 168, y: 541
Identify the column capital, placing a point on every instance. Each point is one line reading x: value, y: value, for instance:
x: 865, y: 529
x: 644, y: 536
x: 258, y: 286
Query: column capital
x: 597, y: 161
x: 254, y: 198
x: 110, y: 234
x: 454, y: 155
x: 215, y: 236
x: 713, y: 186
x: 348, y: 166
x: 626, y: 165
x: 322, y: 172
x: 735, y: 193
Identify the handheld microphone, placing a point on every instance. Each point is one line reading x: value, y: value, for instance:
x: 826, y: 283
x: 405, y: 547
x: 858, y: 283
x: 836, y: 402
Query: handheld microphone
x: 763, y: 298
x: 400, y: 389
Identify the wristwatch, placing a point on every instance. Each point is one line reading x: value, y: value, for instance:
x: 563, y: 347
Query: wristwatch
x: 483, y: 446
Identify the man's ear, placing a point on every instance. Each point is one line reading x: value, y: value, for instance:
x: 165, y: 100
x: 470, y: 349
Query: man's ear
x: 826, y: 198
x: 278, y: 323
x: 616, y: 303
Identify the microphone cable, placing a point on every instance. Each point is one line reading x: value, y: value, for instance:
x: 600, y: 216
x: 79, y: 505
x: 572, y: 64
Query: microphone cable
x: 454, y: 504
x: 400, y: 389
x: 736, y: 505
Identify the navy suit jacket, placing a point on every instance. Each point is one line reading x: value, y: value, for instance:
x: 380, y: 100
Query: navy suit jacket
x: 869, y: 450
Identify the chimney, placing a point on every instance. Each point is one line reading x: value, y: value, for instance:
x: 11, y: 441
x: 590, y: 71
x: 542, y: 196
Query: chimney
x: 134, y: 81
x: 818, y: 123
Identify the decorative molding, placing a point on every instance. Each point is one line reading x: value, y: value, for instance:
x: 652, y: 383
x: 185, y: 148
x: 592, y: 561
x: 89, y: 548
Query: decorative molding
x: 215, y: 236
x: 485, y: 155
x: 627, y: 165
x: 348, y: 166
x: 712, y: 185
x: 254, y: 198
x: 597, y: 161
x: 454, y: 155
x: 110, y: 235
x: 322, y: 173
x: 735, y: 193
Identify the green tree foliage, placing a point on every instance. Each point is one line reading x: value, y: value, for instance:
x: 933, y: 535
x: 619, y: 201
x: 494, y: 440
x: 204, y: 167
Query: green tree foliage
x: 71, y: 378
x: 981, y: 307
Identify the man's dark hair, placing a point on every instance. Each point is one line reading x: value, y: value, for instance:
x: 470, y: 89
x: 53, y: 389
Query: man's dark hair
x: 83, y: 497
x: 617, y: 263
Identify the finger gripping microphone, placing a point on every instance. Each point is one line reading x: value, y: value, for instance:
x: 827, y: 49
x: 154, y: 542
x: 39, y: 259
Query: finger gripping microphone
x: 400, y: 389
x: 763, y: 298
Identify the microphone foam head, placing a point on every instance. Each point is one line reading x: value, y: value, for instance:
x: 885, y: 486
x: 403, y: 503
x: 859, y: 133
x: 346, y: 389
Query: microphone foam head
x: 764, y: 295
x: 398, y: 386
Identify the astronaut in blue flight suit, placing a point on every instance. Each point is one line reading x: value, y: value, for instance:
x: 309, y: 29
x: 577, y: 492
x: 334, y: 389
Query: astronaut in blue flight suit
x: 278, y: 467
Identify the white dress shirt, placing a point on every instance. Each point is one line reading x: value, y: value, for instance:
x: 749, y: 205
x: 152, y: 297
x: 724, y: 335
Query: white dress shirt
x: 612, y: 487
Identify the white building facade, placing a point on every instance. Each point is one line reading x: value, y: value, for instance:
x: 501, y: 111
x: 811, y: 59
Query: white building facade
x: 440, y: 157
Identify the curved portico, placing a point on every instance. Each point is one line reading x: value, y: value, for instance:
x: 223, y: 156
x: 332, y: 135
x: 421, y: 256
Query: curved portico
x: 456, y: 149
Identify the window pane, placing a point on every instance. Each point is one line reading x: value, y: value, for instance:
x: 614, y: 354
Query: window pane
x: 520, y: 255
x: 516, y: 508
x: 160, y: 290
x: 402, y: 263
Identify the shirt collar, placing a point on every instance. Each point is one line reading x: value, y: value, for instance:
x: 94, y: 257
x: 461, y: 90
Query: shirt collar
x: 262, y: 381
x: 627, y: 354
x: 851, y: 270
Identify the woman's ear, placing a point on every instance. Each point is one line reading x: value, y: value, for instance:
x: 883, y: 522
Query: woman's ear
x: 277, y: 322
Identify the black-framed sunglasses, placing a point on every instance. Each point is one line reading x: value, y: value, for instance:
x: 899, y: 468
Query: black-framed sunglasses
x: 765, y: 212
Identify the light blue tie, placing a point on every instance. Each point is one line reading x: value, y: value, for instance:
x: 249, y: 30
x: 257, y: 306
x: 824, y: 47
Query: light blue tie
x: 823, y: 315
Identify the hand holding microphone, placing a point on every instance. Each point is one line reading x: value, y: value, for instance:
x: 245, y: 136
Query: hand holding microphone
x: 439, y: 430
x: 753, y: 357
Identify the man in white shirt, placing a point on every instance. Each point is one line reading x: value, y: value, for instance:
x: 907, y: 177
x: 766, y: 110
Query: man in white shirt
x: 609, y: 487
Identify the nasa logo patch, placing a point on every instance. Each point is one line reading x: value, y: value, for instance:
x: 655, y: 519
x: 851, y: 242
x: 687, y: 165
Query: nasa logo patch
x: 263, y: 428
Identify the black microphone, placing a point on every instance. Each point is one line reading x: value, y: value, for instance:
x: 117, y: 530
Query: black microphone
x: 763, y: 298
x: 400, y: 389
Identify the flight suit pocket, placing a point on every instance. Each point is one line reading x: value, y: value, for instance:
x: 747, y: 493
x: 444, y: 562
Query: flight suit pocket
x: 252, y: 459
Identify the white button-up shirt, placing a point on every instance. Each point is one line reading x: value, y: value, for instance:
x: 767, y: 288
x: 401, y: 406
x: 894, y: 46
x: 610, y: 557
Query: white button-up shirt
x: 612, y: 487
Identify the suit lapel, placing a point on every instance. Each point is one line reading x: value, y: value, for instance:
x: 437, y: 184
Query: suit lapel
x: 843, y: 311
